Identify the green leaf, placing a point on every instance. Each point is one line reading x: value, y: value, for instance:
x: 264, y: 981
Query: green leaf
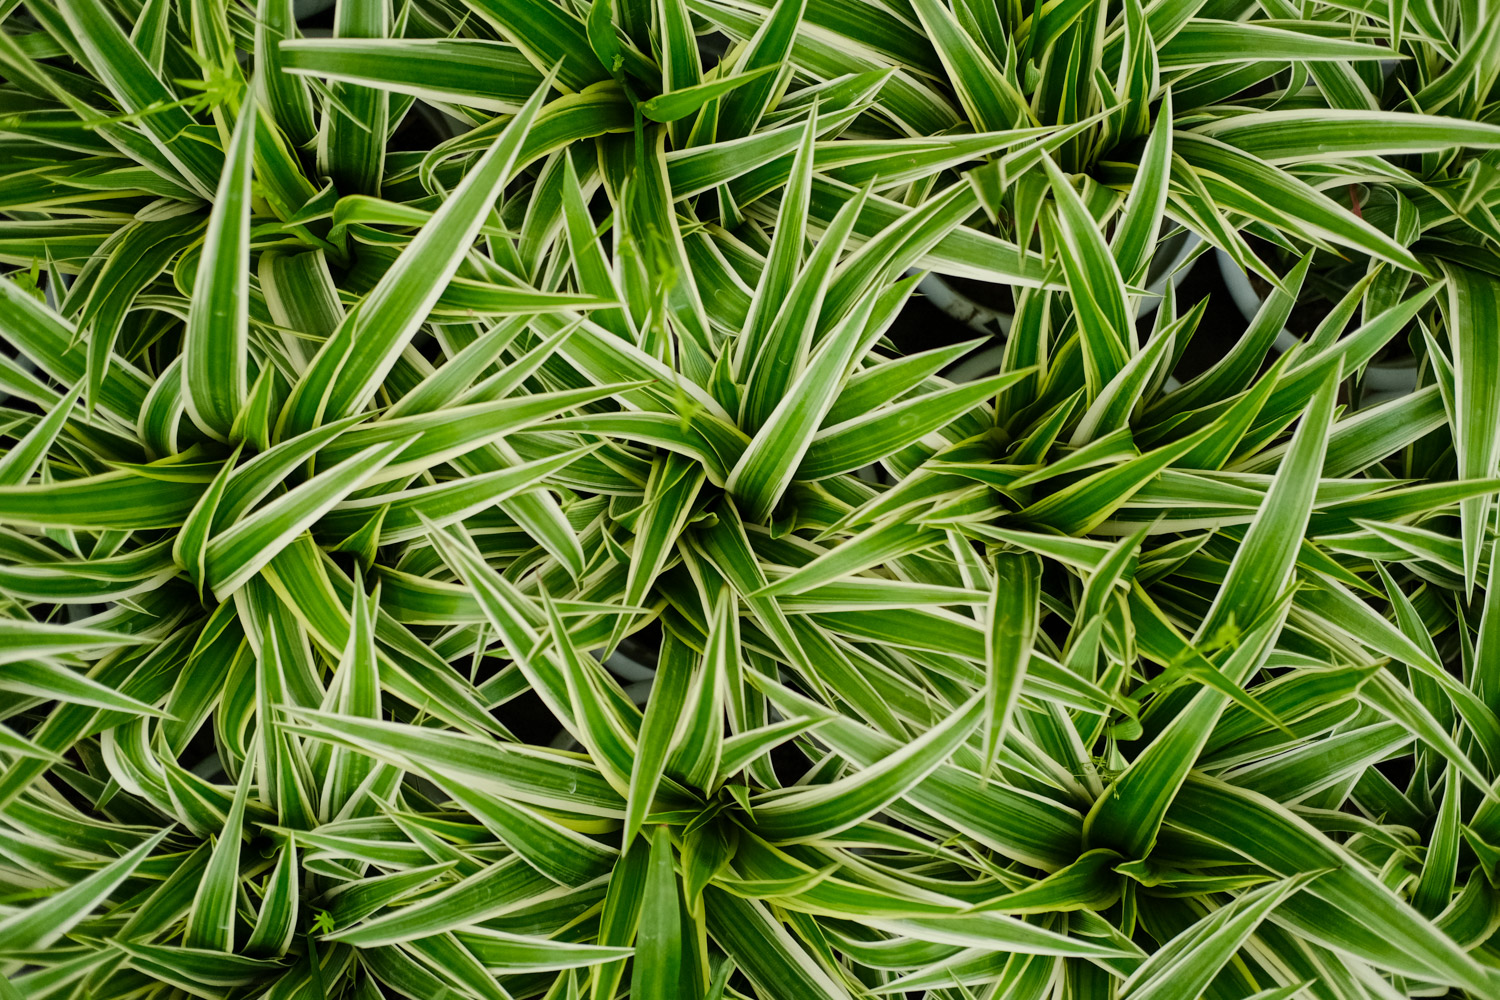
x: 1187, y: 963
x: 664, y: 717
x: 215, y: 349
x: 237, y: 554
x: 1095, y: 281
x: 277, y: 920
x: 210, y: 922
x: 1207, y: 42
x: 1263, y: 564
x: 548, y: 36
x: 989, y: 99
x: 769, y: 957
x: 351, y: 365
x: 678, y: 104
x: 492, y: 892
x: 1014, y: 615
x: 825, y: 810
x: 39, y: 927
x: 1129, y: 814
x: 1242, y: 183
x: 857, y: 442
x: 1140, y: 221
x: 22, y: 461
x: 476, y: 73
x: 658, y: 943
x: 698, y: 743
x: 1471, y: 306
x: 1345, y: 908
x: 1300, y: 136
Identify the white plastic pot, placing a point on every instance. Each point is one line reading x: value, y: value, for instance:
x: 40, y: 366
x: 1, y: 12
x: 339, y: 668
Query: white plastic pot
x: 302, y: 9
x: 628, y: 668
x: 983, y: 319
x: 1383, y: 381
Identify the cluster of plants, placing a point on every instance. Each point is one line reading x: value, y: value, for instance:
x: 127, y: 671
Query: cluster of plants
x: 489, y: 510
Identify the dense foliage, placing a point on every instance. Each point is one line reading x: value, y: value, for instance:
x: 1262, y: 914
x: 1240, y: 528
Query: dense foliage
x: 484, y: 513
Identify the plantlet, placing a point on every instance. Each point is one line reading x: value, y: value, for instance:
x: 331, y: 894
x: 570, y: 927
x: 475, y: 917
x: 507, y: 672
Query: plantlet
x: 487, y: 512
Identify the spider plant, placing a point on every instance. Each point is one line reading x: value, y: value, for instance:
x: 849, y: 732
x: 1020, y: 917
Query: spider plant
x: 482, y: 514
